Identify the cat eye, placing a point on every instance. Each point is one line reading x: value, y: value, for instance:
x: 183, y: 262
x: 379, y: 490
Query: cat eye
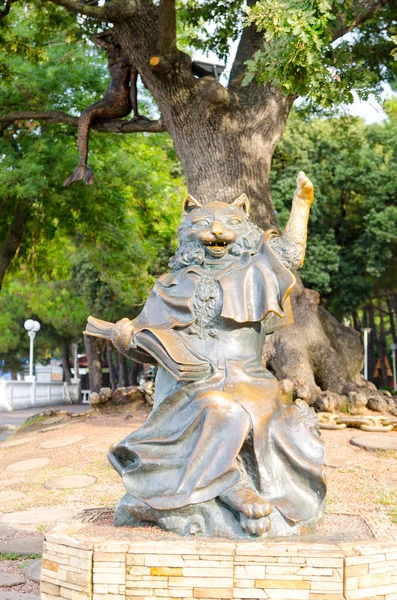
x: 234, y: 222
x: 202, y: 223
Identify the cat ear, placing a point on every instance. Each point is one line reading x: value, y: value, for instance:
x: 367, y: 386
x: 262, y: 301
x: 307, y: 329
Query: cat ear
x: 242, y: 202
x: 190, y: 203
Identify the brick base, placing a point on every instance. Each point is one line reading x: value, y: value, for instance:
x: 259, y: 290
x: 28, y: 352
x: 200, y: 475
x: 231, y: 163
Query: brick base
x: 86, y: 562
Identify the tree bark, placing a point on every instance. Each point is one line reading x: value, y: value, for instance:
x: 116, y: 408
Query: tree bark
x: 94, y: 363
x: 133, y: 372
x: 392, y: 310
x: 109, y: 357
x: 13, y: 238
x: 382, y: 346
x: 225, y: 138
x: 123, y: 370
x: 66, y: 362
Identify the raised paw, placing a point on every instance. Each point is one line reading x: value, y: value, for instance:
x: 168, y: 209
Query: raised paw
x: 256, y: 527
x: 304, y: 188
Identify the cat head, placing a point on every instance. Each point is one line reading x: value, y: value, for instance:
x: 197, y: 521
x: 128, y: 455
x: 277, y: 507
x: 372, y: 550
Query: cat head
x: 214, y: 231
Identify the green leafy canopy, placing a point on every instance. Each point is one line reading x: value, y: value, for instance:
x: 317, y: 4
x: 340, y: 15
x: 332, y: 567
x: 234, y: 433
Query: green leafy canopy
x: 299, y: 55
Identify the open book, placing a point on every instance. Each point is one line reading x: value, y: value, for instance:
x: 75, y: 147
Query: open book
x: 165, y: 346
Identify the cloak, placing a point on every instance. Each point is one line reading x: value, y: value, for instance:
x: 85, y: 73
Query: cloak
x: 189, y: 450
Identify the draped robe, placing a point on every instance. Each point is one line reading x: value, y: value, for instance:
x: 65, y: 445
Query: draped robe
x: 204, y: 437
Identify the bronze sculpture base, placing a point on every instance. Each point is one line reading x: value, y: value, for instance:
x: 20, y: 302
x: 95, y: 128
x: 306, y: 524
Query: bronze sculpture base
x: 207, y: 519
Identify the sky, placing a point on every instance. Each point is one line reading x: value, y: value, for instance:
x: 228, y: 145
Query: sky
x: 370, y: 110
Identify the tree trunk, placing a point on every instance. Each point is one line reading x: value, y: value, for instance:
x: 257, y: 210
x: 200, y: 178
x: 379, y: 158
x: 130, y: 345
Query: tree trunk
x: 225, y: 138
x: 392, y: 309
x: 112, y: 380
x: 356, y: 321
x: 94, y: 363
x: 66, y: 362
x: 133, y: 373
x: 13, y: 238
x: 383, y: 345
x: 123, y: 370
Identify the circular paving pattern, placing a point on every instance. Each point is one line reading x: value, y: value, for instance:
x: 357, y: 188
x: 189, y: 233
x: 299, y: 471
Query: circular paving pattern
x: 373, y: 441
x: 60, y: 443
x: 37, y: 516
x: 27, y: 465
x: 9, y: 495
x: 17, y: 442
x: 70, y: 481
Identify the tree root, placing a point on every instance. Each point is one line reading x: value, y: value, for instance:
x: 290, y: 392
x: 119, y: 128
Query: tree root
x: 319, y: 360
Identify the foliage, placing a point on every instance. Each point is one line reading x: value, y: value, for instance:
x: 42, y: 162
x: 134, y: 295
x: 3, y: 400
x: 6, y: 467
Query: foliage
x: 299, y: 55
x: 85, y: 250
x: 352, y: 237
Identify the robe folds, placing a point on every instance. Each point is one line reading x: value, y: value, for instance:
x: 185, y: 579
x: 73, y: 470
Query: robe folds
x: 203, y: 437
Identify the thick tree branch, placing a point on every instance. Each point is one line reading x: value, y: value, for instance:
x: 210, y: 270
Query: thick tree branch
x: 249, y: 43
x: 359, y: 11
x: 6, y: 9
x: 112, y: 126
x: 113, y: 12
x: 167, y: 27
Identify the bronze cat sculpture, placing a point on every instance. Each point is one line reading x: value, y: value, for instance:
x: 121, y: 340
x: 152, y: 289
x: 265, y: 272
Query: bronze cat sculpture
x: 220, y: 454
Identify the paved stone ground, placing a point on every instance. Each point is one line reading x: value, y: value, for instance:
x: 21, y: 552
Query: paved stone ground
x: 22, y: 545
x: 362, y: 485
x: 18, y: 417
x: 32, y: 570
x: 375, y: 441
x: 8, y: 580
x: 10, y: 595
x: 19, y: 579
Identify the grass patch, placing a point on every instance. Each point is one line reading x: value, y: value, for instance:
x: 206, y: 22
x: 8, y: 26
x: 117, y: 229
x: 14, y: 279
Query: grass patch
x: 32, y: 421
x: 14, y: 556
x: 386, y: 498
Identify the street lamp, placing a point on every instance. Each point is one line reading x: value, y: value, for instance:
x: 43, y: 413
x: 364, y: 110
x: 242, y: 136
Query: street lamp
x: 366, y: 331
x: 32, y: 327
x: 393, y: 348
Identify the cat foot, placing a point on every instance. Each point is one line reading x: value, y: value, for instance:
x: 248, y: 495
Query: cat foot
x: 256, y: 527
x: 247, y: 502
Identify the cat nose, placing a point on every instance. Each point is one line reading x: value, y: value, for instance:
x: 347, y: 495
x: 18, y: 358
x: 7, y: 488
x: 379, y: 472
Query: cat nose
x: 216, y: 228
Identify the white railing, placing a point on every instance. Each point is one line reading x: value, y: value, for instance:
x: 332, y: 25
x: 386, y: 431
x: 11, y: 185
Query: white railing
x: 15, y: 395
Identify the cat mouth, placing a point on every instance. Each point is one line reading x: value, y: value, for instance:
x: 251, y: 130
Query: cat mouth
x: 217, y: 249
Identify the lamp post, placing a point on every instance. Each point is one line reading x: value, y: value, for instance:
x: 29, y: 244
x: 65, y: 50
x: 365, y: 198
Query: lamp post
x: 366, y: 331
x: 393, y: 348
x: 32, y: 327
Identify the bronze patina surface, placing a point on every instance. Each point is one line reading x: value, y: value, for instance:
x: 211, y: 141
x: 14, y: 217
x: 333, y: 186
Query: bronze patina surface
x: 220, y: 454
x: 118, y: 101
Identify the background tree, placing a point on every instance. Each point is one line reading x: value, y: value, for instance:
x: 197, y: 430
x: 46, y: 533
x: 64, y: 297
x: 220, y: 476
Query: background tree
x: 225, y: 136
x: 352, y: 243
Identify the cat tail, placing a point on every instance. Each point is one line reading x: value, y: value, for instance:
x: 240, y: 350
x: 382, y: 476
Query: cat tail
x: 81, y: 173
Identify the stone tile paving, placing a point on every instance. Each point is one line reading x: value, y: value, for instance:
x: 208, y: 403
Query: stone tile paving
x: 27, y: 465
x: 10, y: 595
x: 32, y: 570
x: 71, y: 482
x: 22, y: 545
x: 61, y: 443
x: 19, y: 575
x: 8, y: 580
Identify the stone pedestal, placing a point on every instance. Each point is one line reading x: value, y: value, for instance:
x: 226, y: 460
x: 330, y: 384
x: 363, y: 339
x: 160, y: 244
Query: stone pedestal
x: 86, y: 562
